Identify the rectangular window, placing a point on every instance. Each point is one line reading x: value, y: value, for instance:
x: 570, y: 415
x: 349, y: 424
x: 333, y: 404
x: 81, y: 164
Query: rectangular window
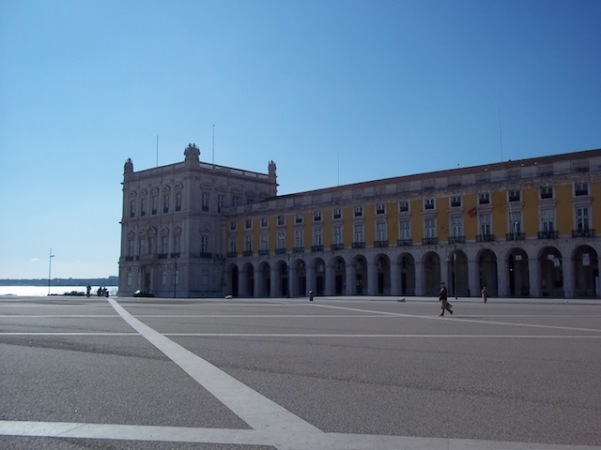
x: 358, y: 211
x: 142, y: 246
x: 317, y: 216
x: 515, y: 195
x: 281, y: 220
x: 219, y: 202
x: 381, y: 208
x: 233, y: 244
x: 405, y: 229
x: 264, y: 243
x: 546, y: 192
x: 455, y: 201
x: 154, y: 204
x: 317, y: 236
x: 178, y: 201
x: 166, y: 201
x: 281, y: 241
x: 548, y: 219
x: 205, y: 201
x: 429, y: 203
x: 337, y: 213
x: 204, y: 244
x: 248, y: 224
x: 484, y: 198
x: 248, y: 243
x: 143, y: 206
x: 359, y: 232
x: 456, y: 226
x: 298, y: 218
x: 381, y: 232
x: 176, y: 243
x: 403, y: 206
x: 582, y: 219
x: 338, y: 235
x: 430, y: 228
x: 485, y: 229
x: 233, y: 225
x: 130, y: 247
x: 132, y: 208
x: 515, y: 223
x: 298, y: 239
x: 164, y: 244
x: 263, y: 222
x: 235, y: 200
x: 580, y: 189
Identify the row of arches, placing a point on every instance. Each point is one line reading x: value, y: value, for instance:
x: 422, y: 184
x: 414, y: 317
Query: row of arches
x: 515, y: 273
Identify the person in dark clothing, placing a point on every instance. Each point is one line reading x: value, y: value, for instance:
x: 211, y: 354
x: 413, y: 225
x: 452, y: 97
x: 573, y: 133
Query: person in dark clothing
x: 442, y: 298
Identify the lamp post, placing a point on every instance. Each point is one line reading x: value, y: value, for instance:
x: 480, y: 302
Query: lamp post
x: 50, y: 269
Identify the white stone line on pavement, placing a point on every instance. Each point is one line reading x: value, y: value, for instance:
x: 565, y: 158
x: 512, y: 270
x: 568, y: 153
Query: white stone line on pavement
x: 457, y: 318
x: 327, y: 441
x: 380, y: 336
x: 261, y: 413
x: 59, y: 316
x: 28, y: 333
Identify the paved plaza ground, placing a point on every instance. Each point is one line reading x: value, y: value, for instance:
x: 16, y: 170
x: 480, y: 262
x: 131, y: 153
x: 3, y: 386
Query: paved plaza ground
x: 336, y: 373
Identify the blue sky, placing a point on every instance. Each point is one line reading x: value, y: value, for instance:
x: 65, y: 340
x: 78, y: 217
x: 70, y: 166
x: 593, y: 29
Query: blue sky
x: 334, y: 92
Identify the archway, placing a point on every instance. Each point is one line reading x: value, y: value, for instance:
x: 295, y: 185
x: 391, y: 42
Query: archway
x: 382, y: 275
x: 339, y: 276
x: 299, y: 286
x: 586, y: 272
x: 431, y: 278
x: 519, y: 280
x: 407, y: 265
x: 458, y: 274
x: 248, y: 273
x: 551, y: 273
x: 487, y: 265
x: 233, y: 280
x: 264, y: 279
x: 360, y: 280
x: 319, y: 269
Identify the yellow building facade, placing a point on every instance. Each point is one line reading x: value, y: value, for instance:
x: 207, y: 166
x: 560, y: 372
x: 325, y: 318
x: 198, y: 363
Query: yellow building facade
x: 523, y: 228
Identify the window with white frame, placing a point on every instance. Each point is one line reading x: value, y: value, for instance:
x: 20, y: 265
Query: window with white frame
x: 381, y: 208
x: 132, y: 208
x: 429, y: 203
x: 515, y: 223
x: 580, y: 189
x: 317, y: 216
x: 337, y: 213
x: 177, y: 243
x: 456, y: 226
x: 263, y: 222
x: 154, y: 203
x: 263, y: 242
x: 166, y: 202
x: 403, y: 206
x: 298, y: 218
x: 281, y: 240
x: 317, y: 236
x: 582, y: 218
x: 484, y: 198
x: 430, y: 228
x: 548, y: 219
x: 338, y: 235
x: 131, y: 244
x: 204, y: 201
x: 178, y: 201
x: 485, y: 228
x: 143, y: 206
x: 405, y: 229
x: 165, y: 244
x: 514, y: 195
x: 233, y: 225
x: 546, y: 192
x: 233, y: 244
x: 455, y: 201
x: 381, y: 231
x: 248, y: 224
x: 358, y: 211
x: 142, y: 246
x: 358, y: 232
x: 220, y: 201
x: 298, y: 239
x: 248, y: 243
x: 281, y: 220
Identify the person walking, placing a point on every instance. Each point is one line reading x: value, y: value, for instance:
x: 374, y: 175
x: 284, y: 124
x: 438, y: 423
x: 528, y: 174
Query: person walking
x: 442, y: 298
x: 484, y: 293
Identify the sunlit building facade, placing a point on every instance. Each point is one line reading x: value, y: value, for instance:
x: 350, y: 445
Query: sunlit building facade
x: 523, y: 228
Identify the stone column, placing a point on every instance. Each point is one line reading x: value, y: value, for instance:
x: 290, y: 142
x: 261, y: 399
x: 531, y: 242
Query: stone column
x: 474, y: 276
x: 372, y: 278
x: 502, y: 276
x: 310, y: 273
x: 275, y: 291
x: 567, y: 271
x: 292, y: 282
x: 329, y: 279
x: 350, y: 279
x: 534, y: 276
x: 395, y: 278
x: 242, y: 283
x: 419, y: 278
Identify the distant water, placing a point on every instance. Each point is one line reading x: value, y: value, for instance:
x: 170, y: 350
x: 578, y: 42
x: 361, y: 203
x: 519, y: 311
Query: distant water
x: 42, y: 291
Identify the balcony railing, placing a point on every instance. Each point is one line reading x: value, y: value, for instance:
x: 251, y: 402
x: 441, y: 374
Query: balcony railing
x: 336, y: 247
x: 232, y: 254
x: 547, y: 234
x: 515, y: 236
x: 358, y: 244
x: 380, y: 244
x: 588, y: 233
x: 456, y: 239
x: 280, y: 251
x: 485, y: 238
x: 247, y: 253
x: 429, y: 241
x: 317, y: 248
x: 264, y: 252
x: 298, y: 250
x: 404, y: 243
